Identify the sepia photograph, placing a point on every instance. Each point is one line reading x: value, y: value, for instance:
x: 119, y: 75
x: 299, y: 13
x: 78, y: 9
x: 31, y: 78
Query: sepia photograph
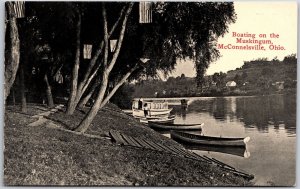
x: 144, y: 93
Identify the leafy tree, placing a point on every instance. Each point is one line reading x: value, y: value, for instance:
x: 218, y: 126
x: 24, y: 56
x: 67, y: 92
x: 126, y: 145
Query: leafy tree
x: 290, y: 59
x: 244, y: 75
x: 267, y: 72
x: 192, y: 29
x: 219, y: 79
x: 238, y: 79
x: 179, y: 30
x: 160, y: 39
x: 182, y: 76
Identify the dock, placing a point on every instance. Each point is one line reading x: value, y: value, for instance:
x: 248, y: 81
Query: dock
x: 125, y: 140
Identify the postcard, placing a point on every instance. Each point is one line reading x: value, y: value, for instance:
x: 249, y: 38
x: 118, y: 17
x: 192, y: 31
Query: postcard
x: 150, y: 93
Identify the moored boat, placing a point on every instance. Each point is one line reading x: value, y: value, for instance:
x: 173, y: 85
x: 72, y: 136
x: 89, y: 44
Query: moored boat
x: 232, y: 150
x: 161, y: 120
x: 189, y: 138
x: 151, y: 112
x: 153, y: 108
x: 168, y: 126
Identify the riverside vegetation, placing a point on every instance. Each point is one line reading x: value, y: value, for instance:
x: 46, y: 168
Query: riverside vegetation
x: 255, y: 77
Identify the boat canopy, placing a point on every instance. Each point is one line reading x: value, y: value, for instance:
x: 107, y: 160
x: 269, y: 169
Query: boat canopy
x: 151, y: 104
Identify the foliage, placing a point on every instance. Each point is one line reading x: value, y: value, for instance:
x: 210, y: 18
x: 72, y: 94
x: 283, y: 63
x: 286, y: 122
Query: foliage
x: 123, y: 97
x: 179, y: 30
x: 190, y: 30
x: 253, y: 79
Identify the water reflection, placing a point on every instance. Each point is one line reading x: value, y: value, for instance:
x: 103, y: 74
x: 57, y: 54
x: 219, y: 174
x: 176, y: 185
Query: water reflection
x: 262, y: 112
x: 180, y: 112
x: 270, y: 121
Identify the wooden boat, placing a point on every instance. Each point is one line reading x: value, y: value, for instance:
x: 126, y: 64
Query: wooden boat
x: 152, y: 112
x: 232, y: 150
x: 207, y: 140
x: 168, y: 126
x: 161, y: 120
x: 155, y: 109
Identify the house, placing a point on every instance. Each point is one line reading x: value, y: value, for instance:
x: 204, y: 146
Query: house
x: 246, y: 83
x: 231, y: 84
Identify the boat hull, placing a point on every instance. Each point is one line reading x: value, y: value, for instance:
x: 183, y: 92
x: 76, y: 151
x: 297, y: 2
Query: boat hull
x: 164, y: 126
x: 188, y: 138
x: 232, y: 150
x: 163, y: 120
x: 152, y: 112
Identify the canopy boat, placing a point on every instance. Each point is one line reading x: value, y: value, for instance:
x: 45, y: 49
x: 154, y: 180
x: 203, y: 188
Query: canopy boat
x: 170, y: 126
x: 154, y: 109
x: 189, y: 138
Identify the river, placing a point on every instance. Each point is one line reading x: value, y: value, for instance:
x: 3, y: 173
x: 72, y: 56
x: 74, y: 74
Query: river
x: 270, y: 122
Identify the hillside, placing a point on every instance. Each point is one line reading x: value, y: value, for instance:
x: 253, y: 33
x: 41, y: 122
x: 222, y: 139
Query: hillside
x: 278, y: 71
x: 48, y: 154
x: 259, y: 76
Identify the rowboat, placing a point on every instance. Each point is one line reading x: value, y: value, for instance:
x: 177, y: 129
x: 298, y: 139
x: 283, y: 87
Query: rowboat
x: 152, y: 112
x: 168, y: 126
x: 189, y: 138
x: 161, y: 120
x: 232, y: 150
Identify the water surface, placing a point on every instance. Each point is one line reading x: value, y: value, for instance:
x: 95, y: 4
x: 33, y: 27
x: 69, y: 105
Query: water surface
x: 270, y: 121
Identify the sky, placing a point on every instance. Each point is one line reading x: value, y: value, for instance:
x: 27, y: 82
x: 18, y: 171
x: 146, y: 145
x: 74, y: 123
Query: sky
x: 253, y: 18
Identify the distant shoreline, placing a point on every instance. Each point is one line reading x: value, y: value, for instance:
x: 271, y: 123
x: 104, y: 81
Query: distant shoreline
x: 221, y: 96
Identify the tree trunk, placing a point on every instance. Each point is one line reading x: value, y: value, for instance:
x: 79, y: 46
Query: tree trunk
x: 83, y: 85
x: 13, y: 55
x: 85, y: 99
x: 73, y: 93
x: 84, y: 125
x: 116, y: 87
x: 48, y: 92
x: 86, y: 122
x: 75, y: 96
x: 23, y: 95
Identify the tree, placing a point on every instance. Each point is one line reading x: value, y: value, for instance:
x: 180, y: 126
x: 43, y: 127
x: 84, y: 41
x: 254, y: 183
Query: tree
x: 12, y: 53
x: 238, y: 79
x: 219, y: 79
x: 78, y: 88
x: 267, y: 72
x: 178, y: 31
x: 290, y: 59
x: 108, y: 66
x: 244, y: 75
x: 195, y: 39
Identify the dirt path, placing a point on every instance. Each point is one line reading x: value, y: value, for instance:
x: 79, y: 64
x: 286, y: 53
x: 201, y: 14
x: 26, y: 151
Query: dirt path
x: 41, y: 117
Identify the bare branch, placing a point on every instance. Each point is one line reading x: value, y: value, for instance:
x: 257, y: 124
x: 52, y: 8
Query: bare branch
x: 119, y: 84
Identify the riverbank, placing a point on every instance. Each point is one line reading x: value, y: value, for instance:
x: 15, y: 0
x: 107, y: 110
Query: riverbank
x: 48, y: 154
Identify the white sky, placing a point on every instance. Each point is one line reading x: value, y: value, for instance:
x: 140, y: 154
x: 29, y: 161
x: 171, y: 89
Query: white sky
x: 257, y: 18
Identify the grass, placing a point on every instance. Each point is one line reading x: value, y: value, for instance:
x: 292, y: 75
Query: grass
x: 47, y: 156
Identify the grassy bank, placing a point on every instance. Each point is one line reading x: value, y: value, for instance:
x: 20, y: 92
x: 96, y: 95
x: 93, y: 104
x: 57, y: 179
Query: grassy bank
x: 46, y: 155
